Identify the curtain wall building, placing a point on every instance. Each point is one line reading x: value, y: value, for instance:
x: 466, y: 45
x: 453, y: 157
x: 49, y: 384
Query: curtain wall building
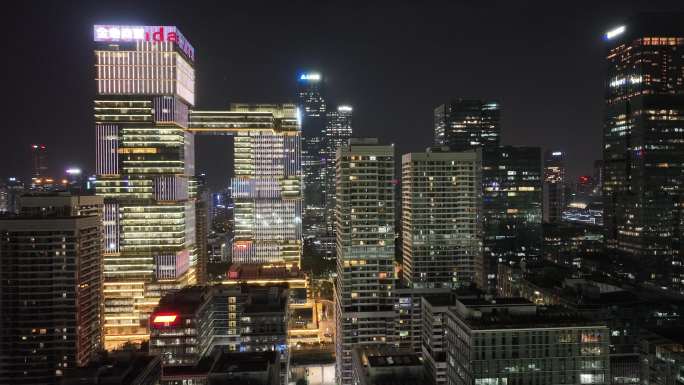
x: 312, y: 109
x: 555, y: 188
x: 463, y: 124
x: 643, y: 143
x: 338, y: 131
x: 512, y: 206
x: 39, y: 161
x: 145, y: 85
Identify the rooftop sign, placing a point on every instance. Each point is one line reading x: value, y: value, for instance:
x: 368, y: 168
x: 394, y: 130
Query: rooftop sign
x: 310, y: 76
x: 131, y: 33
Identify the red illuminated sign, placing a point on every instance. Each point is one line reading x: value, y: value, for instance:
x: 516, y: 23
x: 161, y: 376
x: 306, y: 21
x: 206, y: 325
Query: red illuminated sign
x: 165, y: 319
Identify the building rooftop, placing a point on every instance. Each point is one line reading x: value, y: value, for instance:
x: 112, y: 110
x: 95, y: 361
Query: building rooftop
x: 515, y: 312
x: 439, y: 300
x: 505, y: 317
x: 385, y: 365
x: 672, y: 334
x: 244, y: 362
x: 258, y: 272
x: 271, y: 299
x: 495, y: 302
x: 185, y: 301
x: 397, y: 359
x: 224, y: 363
x: 119, y: 368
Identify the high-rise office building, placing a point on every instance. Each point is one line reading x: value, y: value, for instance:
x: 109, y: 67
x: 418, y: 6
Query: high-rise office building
x: 10, y: 191
x: 512, y: 206
x: 312, y: 103
x: 554, y: 185
x: 598, y: 177
x: 50, y: 288
x: 39, y: 161
x: 512, y: 341
x: 338, y: 131
x: 365, y: 249
x: 643, y: 145
x: 202, y: 226
x: 145, y: 85
x: 74, y: 180
x: 441, y: 218
x: 463, y: 124
x: 312, y: 109
x: 267, y: 186
x: 60, y: 204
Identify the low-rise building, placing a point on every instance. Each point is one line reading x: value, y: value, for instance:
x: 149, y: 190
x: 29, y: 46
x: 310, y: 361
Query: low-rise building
x: 226, y: 368
x: 117, y: 368
x: 193, y: 323
x: 511, y: 341
x: 385, y: 365
x: 662, y: 356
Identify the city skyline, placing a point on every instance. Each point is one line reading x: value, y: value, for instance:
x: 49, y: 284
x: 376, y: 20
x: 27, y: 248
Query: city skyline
x: 489, y: 246
x: 369, y: 67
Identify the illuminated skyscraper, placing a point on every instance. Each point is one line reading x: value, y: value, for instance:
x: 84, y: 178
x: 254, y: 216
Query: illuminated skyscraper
x: 512, y: 206
x: 145, y: 84
x: 39, y: 160
x: 312, y: 109
x: 338, y: 131
x: 312, y: 104
x: 267, y: 187
x: 554, y: 185
x: 365, y: 249
x: 441, y: 218
x: 463, y: 124
x: 643, y: 144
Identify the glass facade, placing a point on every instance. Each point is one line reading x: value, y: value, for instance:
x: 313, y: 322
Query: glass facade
x: 463, y: 124
x: 338, y: 131
x: 312, y: 109
x: 643, y: 144
x: 554, y: 185
x: 512, y: 206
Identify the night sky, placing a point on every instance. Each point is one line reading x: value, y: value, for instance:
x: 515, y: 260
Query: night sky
x: 393, y: 61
